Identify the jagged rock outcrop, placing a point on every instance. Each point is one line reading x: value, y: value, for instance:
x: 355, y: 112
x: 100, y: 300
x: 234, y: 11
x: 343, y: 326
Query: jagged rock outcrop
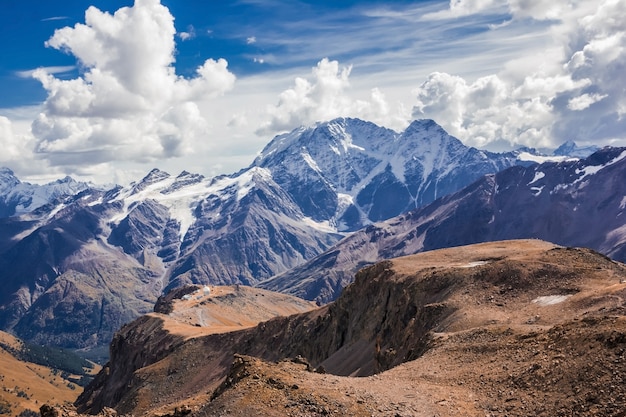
x: 165, y: 303
x: 65, y: 410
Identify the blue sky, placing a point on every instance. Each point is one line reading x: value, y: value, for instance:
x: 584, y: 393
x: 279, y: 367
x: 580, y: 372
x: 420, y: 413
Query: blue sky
x: 253, y: 36
x: 106, y: 90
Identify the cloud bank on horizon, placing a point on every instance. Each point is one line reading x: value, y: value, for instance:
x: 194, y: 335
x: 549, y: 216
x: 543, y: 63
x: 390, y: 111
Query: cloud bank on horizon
x: 573, y: 91
x: 128, y: 105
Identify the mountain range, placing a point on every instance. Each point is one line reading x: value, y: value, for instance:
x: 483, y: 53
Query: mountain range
x: 78, y: 261
x: 573, y: 203
x: 17, y: 197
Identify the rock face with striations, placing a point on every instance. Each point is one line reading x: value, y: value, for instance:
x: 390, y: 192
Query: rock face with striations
x: 525, y: 327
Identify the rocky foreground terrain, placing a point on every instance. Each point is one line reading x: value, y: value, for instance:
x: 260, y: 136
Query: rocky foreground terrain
x: 512, y: 328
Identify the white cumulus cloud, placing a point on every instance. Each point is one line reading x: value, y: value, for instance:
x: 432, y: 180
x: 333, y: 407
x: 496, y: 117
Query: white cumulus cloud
x: 484, y: 111
x: 128, y: 104
x: 16, y: 147
x: 324, y: 97
x: 189, y: 34
x: 7, y: 140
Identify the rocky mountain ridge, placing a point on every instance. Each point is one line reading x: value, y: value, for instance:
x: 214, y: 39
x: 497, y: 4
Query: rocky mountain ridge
x: 516, y: 327
x: 351, y: 173
x: 17, y: 197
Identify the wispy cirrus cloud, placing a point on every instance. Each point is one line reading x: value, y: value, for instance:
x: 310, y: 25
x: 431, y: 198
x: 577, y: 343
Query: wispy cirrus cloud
x: 50, y: 70
x: 54, y: 18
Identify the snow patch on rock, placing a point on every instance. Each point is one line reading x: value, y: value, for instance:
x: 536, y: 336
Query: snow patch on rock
x: 548, y: 300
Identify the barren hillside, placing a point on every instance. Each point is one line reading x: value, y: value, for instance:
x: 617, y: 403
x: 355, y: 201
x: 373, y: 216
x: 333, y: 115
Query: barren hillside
x: 511, y: 328
x: 25, y: 385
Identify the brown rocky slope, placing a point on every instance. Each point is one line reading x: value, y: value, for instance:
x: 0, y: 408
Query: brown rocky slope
x: 505, y: 328
x: 24, y: 385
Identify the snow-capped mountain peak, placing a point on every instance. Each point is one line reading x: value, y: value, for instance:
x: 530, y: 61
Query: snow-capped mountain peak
x: 571, y: 149
x: 178, y: 194
x: 382, y: 172
x: 8, y: 180
x: 18, y: 197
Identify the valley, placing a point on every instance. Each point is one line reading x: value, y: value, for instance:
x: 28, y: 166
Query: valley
x: 25, y: 385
